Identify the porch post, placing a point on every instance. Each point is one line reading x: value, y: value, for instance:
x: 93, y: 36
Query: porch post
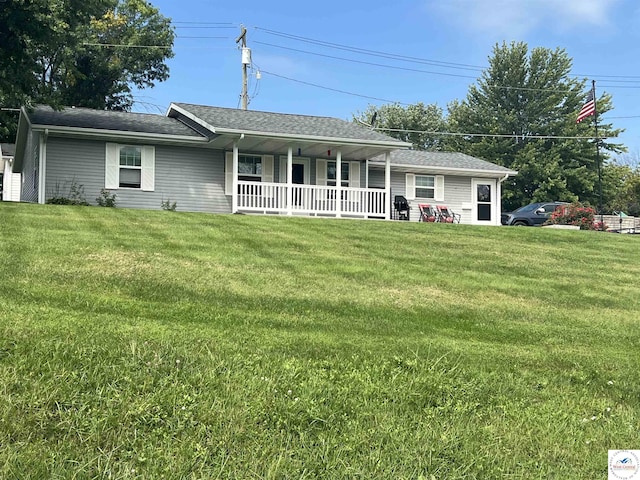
x: 290, y: 181
x: 339, y: 184
x: 387, y: 185
x: 234, y: 191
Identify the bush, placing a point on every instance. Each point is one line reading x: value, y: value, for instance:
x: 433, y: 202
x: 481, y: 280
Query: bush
x: 576, y: 214
x: 74, y: 196
x: 167, y: 205
x: 106, y: 198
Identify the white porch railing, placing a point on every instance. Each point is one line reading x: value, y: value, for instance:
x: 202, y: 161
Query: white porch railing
x: 311, y: 199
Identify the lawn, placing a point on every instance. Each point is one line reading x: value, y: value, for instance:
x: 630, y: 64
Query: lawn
x: 137, y: 344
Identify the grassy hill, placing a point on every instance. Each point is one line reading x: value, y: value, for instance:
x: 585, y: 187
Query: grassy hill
x: 139, y: 344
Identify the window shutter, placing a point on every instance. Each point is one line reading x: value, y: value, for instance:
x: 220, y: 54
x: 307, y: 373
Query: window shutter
x: 267, y: 168
x: 112, y: 171
x: 410, y: 187
x: 439, y: 182
x: 283, y: 169
x: 148, y: 174
x: 354, y: 174
x: 228, y: 173
x: 321, y: 172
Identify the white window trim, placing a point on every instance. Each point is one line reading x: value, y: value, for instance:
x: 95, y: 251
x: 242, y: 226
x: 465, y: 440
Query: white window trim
x: 322, y: 170
x: 267, y: 169
x: 112, y: 167
x: 410, y: 187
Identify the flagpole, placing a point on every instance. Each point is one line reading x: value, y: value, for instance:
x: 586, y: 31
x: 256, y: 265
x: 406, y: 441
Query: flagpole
x: 595, y: 118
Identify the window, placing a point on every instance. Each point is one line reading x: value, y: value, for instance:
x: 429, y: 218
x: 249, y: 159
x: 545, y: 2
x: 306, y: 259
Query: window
x: 130, y: 175
x: 331, y: 174
x: 130, y: 166
x: 250, y: 168
x: 425, y: 186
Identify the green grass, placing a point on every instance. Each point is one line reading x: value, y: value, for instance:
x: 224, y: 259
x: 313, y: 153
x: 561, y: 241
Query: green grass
x: 139, y: 344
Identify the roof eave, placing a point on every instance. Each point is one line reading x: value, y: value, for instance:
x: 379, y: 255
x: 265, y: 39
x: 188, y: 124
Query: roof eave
x: 316, y: 139
x: 101, y: 132
x: 475, y: 171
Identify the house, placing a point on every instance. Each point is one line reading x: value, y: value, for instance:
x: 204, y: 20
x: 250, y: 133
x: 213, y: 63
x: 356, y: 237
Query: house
x: 9, y: 181
x: 223, y: 160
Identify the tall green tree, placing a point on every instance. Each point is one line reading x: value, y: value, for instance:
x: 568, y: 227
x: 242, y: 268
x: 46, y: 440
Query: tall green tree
x: 524, y: 94
x: 86, y: 53
x: 408, y: 124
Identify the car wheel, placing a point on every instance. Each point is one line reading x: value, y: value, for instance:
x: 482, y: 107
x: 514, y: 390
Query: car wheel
x: 520, y: 223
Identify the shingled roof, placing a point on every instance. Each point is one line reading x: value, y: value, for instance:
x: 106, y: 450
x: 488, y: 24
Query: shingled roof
x: 110, y: 120
x: 442, y: 160
x: 225, y: 119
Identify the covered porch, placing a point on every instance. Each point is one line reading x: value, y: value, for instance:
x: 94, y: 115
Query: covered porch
x: 338, y: 186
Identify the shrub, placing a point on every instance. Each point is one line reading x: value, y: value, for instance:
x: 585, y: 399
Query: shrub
x: 167, y: 205
x: 74, y: 196
x: 106, y: 198
x: 576, y: 214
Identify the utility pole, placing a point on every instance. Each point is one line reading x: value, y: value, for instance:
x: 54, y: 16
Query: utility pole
x: 246, y: 61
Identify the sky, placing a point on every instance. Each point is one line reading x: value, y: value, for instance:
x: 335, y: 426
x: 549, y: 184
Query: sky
x: 334, y: 58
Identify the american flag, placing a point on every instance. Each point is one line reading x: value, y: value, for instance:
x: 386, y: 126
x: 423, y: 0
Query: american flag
x: 589, y: 108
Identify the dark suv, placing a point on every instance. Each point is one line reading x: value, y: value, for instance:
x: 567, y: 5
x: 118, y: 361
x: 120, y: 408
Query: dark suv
x: 531, y: 215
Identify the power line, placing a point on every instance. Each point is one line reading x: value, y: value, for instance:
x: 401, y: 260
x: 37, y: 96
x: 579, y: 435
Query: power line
x: 204, y: 23
x: 333, y: 89
x: 363, y: 62
x: 371, y: 52
x: 489, y: 135
x: 609, y: 78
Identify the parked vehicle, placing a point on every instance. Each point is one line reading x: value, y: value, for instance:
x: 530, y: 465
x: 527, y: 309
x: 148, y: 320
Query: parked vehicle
x: 534, y: 214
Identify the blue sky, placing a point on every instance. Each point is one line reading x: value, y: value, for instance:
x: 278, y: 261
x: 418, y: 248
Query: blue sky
x: 449, y: 40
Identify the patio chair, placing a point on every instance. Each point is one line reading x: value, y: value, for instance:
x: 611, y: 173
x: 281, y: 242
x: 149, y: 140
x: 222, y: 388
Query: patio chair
x: 447, y: 215
x: 402, y: 207
x: 428, y: 213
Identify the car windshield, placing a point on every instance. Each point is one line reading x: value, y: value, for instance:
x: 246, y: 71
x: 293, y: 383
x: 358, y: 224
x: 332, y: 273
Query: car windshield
x: 528, y: 208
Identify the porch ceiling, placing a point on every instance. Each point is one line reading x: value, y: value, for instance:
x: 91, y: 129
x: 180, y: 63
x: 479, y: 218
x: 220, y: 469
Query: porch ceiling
x: 262, y: 144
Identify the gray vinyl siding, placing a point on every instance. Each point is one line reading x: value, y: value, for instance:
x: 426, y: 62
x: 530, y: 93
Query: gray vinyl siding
x: 29, y: 186
x: 74, y: 164
x: 191, y: 177
x: 457, y: 192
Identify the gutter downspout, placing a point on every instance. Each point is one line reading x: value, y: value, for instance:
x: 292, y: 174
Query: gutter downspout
x: 499, y: 195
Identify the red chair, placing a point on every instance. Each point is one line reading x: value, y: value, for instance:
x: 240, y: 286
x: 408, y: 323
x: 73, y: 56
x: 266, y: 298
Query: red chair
x: 447, y: 215
x: 427, y: 213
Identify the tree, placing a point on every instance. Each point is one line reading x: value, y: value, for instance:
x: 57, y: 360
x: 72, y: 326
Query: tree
x: 525, y: 94
x: 408, y: 123
x: 621, y: 186
x: 83, y: 53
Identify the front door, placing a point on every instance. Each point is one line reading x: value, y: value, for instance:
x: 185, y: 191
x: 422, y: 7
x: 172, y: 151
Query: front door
x: 484, y: 201
x: 297, y: 175
x: 297, y: 178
